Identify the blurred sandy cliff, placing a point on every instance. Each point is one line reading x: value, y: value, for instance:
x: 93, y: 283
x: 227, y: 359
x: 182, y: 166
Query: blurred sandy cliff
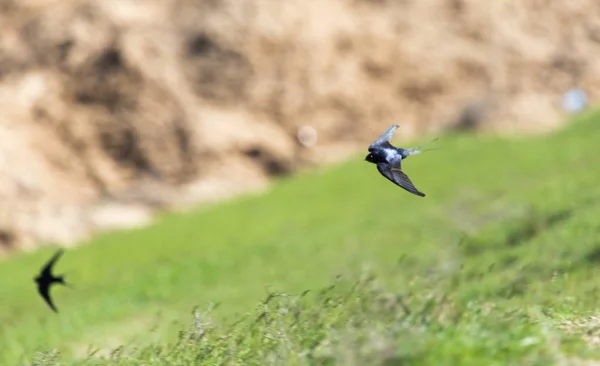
x: 113, y: 109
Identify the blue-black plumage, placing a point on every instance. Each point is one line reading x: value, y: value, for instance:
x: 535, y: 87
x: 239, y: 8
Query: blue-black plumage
x: 389, y: 160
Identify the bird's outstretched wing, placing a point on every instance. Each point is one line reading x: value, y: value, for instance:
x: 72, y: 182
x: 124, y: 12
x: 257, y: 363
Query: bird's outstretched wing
x: 398, y: 177
x: 47, y: 270
x: 44, y: 290
x: 385, y: 137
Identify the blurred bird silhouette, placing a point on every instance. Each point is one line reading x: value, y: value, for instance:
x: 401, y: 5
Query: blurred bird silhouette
x: 389, y: 160
x: 46, y: 279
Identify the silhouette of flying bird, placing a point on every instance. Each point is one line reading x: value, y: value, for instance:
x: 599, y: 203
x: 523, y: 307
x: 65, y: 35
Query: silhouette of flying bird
x: 389, y: 160
x: 46, y: 279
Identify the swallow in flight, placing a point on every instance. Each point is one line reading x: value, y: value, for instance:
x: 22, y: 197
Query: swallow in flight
x: 389, y: 160
x: 46, y: 279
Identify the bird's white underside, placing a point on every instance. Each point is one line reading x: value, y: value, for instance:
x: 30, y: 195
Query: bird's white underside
x: 390, y: 155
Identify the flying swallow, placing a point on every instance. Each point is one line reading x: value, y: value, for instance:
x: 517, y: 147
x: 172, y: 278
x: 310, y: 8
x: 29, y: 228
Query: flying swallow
x: 46, y: 279
x: 389, y: 160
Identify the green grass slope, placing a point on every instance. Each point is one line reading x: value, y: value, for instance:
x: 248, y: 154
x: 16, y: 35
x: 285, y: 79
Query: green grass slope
x: 499, y: 264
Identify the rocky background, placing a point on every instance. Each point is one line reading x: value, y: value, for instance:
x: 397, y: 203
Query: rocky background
x: 111, y: 110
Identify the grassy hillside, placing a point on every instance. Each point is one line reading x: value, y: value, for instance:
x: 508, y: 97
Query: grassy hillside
x: 498, y: 264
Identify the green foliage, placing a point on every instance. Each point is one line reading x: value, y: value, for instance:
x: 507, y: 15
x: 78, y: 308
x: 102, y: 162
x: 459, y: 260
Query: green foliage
x: 497, y: 265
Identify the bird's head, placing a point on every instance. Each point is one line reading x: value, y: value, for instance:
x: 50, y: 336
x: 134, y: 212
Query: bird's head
x: 370, y: 158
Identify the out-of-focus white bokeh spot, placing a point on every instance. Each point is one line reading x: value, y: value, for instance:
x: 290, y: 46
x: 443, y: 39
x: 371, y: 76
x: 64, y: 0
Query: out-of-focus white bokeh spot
x: 307, y: 136
x: 574, y: 100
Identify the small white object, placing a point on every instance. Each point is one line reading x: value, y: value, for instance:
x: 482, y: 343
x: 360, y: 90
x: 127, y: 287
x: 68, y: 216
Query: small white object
x: 307, y: 136
x: 574, y: 100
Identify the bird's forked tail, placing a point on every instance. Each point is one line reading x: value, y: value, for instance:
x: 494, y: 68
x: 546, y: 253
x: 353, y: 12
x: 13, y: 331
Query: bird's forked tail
x: 61, y: 280
x: 418, y: 150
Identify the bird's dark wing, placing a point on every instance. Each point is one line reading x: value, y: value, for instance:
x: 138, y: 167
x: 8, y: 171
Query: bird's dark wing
x: 44, y: 290
x: 385, y: 137
x: 398, y: 177
x: 47, y: 270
